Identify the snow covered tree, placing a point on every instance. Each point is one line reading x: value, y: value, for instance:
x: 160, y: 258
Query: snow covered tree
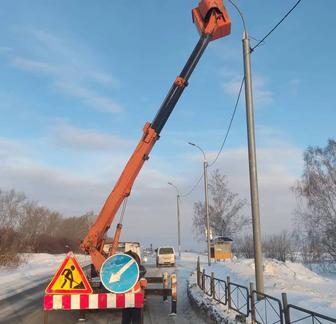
x: 225, y: 209
x: 316, y: 193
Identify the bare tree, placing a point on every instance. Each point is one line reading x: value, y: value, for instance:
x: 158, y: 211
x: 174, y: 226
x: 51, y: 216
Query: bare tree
x: 25, y: 226
x: 316, y: 194
x: 11, y: 208
x: 243, y: 246
x: 280, y: 246
x: 224, y: 209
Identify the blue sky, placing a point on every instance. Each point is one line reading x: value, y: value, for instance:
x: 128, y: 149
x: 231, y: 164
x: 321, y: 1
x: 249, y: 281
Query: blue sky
x: 79, y: 79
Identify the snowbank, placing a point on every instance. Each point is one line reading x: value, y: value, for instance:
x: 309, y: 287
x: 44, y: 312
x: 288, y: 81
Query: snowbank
x: 39, y: 267
x: 304, y: 287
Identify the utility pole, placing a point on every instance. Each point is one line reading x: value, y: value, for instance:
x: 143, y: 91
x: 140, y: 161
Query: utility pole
x: 178, y: 219
x: 253, y: 167
x: 206, y: 200
x: 178, y: 225
x: 205, y: 169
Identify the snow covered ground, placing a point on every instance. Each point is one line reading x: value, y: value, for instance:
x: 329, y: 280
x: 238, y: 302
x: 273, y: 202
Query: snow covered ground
x: 304, y: 287
x: 37, y: 268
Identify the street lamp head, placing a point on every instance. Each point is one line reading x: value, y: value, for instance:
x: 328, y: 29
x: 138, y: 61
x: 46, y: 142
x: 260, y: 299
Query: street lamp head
x: 193, y: 144
x: 170, y: 183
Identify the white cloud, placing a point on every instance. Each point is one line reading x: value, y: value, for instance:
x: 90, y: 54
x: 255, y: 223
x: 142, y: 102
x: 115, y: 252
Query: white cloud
x: 9, y: 149
x: 80, y: 139
x: 151, y: 212
x: 34, y: 66
x: 88, y: 96
x: 68, y: 74
x: 261, y: 94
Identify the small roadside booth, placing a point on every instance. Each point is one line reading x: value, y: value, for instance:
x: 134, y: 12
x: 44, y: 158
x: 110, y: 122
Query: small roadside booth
x: 221, y: 248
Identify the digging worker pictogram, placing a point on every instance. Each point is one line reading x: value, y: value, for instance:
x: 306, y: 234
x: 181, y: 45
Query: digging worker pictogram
x: 68, y: 277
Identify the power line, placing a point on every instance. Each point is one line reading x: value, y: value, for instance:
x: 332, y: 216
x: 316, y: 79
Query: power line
x: 230, y: 124
x: 276, y: 26
x: 193, y: 188
x: 241, y: 87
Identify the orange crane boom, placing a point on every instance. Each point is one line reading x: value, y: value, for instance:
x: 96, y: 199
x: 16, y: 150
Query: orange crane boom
x: 212, y: 22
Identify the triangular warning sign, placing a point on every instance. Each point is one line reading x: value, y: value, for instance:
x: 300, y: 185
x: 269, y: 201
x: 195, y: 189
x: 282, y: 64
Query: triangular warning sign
x: 69, y: 278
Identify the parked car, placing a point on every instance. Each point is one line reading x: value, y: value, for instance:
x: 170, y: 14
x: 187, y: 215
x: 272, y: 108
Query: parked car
x: 165, y: 256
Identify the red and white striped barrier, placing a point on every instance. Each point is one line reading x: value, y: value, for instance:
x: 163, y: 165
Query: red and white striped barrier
x: 93, y: 301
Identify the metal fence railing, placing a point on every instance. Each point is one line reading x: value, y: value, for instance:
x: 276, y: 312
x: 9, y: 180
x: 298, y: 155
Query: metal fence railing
x: 301, y: 315
x: 266, y: 309
x: 207, y: 285
x: 238, y: 298
x: 262, y: 308
x: 220, y: 291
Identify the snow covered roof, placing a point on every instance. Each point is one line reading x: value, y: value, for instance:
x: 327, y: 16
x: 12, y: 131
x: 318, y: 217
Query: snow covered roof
x: 221, y: 239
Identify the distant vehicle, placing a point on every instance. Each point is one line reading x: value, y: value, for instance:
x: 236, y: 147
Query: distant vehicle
x: 165, y: 256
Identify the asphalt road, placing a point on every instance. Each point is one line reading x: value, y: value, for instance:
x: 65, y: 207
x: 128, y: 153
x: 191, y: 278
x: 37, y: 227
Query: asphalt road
x: 26, y: 307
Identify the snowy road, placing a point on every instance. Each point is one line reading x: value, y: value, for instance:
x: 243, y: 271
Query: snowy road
x: 25, y: 307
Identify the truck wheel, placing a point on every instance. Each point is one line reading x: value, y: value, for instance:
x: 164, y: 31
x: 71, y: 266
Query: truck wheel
x: 132, y: 316
x: 126, y: 316
x: 138, y: 316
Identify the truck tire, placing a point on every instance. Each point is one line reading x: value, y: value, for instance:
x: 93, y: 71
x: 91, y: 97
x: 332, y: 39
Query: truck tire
x: 132, y: 316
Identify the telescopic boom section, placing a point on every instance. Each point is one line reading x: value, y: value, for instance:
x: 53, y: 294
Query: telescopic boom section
x: 212, y: 22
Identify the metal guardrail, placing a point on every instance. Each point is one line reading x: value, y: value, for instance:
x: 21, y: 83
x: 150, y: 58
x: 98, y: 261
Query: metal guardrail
x: 266, y: 309
x: 238, y: 298
x: 300, y: 315
x: 263, y: 308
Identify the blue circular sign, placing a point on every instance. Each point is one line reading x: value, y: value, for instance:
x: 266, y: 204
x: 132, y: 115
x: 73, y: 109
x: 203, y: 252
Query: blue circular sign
x: 119, y: 273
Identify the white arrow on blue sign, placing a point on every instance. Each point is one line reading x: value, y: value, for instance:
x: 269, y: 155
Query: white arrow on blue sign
x: 119, y: 273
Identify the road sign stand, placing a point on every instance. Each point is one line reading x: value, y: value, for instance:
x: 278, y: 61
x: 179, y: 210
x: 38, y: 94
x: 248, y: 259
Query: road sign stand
x: 81, y: 317
x: 45, y: 320
x: 165, y: 291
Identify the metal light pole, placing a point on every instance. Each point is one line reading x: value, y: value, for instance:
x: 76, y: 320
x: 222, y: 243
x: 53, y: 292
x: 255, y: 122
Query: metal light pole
x: 205, y: 175
x: 178, y: 218
x: 253, y: 167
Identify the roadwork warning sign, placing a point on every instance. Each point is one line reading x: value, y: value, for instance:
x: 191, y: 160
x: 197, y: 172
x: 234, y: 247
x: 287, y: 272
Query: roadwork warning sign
x: 69, y: 278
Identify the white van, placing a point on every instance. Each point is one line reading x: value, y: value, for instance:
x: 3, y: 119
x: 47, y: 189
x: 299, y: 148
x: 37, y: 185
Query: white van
x: 165, y: 256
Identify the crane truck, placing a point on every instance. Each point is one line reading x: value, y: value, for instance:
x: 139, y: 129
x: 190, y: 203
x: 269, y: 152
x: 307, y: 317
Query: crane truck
x: 122, y: 286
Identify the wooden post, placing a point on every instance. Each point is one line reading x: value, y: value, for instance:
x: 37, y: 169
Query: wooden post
x: 212, y: 286
x: 253, y: 309
x: 285, y: 308
x: 228, y: 291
